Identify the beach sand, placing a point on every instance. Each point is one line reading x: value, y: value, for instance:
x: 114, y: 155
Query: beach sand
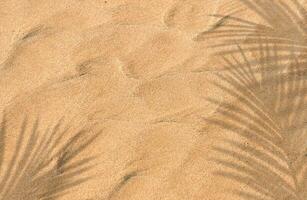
x: 137, y: 71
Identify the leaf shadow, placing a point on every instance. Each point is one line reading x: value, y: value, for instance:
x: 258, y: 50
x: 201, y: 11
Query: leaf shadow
x: 266, y: 122
x: 45, y: 164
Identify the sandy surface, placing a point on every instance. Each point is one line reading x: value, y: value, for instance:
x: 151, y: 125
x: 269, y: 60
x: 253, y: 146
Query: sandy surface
x: 131, y: 69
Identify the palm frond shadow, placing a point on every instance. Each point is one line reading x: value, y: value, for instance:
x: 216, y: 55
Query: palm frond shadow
x: 268, y: 116
x: 284, y: 24
x: 43, y: 165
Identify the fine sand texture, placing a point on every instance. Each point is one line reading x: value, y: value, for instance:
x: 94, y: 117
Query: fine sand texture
x: 153, y: 100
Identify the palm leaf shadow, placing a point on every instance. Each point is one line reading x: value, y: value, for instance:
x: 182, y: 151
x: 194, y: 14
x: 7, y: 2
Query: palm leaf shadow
x: 269, y: 116
x: 284, y: 24
x: 44, y: 167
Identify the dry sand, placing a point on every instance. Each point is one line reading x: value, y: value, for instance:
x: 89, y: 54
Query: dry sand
x: 130, y: 68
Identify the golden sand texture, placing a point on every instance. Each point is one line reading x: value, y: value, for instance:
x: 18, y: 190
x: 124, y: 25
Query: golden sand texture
x: 128, y: 100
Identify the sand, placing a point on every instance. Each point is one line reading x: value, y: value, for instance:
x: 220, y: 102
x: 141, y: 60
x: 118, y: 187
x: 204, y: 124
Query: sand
x: 136, y: 71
